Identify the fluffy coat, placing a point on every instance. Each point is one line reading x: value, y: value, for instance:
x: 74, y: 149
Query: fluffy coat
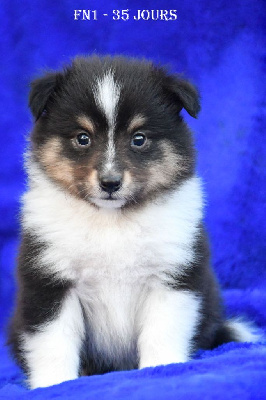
x: 114, y: 264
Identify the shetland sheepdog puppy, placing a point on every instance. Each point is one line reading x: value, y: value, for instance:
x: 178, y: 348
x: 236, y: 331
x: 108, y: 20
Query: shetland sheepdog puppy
x: 113, y: 268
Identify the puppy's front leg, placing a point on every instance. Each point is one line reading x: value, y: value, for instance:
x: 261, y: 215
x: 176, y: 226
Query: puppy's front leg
x: 52, y: 353
x: 167, y: 326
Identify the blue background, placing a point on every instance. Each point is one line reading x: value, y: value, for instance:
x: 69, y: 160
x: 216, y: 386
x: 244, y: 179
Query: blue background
x: 220, y: 45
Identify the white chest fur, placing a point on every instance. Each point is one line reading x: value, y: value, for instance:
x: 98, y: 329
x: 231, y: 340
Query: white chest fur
x: 85, y: 242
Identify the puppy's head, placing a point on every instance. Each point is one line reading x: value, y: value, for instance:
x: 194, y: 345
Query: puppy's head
x: 108, y: 130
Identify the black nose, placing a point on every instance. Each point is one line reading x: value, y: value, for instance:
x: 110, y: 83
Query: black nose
x: 110, y: 183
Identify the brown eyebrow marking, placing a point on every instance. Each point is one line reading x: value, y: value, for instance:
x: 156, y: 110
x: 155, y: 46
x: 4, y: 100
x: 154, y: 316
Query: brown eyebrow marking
x: 136, y: 122
x: 86, y: 123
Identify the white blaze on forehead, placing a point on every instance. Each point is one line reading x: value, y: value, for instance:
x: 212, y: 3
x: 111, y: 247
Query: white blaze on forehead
x: 107, y: 97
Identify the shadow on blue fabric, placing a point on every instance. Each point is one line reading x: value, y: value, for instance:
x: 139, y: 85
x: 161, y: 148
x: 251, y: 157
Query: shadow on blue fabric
x: 221, y: 46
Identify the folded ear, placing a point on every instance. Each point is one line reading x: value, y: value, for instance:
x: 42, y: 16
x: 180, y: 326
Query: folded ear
x: 184, y: 94
x: 42, y: 91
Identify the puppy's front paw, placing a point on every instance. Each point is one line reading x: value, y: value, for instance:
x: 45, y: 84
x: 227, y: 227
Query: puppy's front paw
x: 154, y: 359
x: 49, y: 379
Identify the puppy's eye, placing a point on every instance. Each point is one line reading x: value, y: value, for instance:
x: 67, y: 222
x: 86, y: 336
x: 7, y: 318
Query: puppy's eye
x: 83, y: 139
x: 138, y: 140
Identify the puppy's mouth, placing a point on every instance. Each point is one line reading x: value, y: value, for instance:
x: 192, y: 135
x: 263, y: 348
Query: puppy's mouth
x: 108, y: 201
x: 110, y: 197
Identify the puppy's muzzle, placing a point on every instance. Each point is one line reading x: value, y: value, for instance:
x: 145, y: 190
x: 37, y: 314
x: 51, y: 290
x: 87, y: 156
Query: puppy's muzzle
x: 110, y: 183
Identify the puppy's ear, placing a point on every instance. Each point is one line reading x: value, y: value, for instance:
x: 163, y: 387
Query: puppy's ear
x: 184, y: 94
x: 42, y: 91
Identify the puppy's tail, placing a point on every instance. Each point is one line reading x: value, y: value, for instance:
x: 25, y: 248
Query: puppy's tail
x: 238, y: 330
x: 244, y: 331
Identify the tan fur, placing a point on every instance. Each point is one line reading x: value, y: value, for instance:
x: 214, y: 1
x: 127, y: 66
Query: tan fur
x: 127, y: 178
x: 57, y: 166
x: 86, y: 123
x: 162, y: 172
x: 136, y: 122
x: 69, y: 175
x: 92, y: 178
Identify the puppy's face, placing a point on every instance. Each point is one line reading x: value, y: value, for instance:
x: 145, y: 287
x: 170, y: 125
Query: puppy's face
x: 108, y: 130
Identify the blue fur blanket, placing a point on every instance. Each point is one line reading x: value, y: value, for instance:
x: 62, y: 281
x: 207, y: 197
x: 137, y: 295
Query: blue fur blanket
x: 221, y: 46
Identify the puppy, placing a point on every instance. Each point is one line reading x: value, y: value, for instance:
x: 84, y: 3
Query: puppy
x: 113, y: 267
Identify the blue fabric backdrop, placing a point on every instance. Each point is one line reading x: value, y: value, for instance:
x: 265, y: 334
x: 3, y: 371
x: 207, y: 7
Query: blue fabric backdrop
x: 221, y: 46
